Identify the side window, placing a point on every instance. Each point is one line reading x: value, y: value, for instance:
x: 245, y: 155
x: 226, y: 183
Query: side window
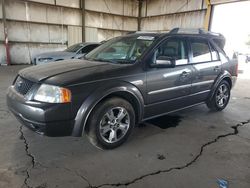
x: 173, y: 49
x: 88, y: 48
x: 201, y: 51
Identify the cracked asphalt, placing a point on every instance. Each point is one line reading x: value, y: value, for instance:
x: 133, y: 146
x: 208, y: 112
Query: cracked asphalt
x: 191, y: 148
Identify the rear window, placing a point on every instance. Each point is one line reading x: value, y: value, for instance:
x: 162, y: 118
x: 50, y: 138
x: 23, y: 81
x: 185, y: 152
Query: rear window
x: 201, y: 51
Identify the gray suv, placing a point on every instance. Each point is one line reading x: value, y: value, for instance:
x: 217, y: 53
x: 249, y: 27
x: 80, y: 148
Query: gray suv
x: 127, y: 80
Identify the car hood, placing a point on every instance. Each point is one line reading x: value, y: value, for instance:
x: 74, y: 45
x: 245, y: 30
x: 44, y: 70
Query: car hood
x: 42, y: 72
x: 55, y: 55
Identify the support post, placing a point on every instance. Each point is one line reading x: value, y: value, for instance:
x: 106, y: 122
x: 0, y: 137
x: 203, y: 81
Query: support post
x: 6, y: 41
x: 83, y: 20
x: 208, y: 15
x: 139, y: 14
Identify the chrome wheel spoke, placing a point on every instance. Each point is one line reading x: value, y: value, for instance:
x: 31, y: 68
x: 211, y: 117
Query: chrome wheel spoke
x: 112, y: 136
x: 110, y: 115
x: 122, y: 113
x: 104, y: 129
x: 123, y: 127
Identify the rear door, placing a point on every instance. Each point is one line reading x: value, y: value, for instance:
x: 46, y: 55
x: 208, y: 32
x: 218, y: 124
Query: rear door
x: 207, y: 66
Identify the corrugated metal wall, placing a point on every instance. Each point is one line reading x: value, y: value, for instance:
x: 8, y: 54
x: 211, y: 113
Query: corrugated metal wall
x: 110, y: 18
x: 163, y: 15
x: 36, y: 26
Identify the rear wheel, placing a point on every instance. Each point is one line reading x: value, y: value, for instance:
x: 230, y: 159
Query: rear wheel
x: 220, y: 98
x: 111, y: 123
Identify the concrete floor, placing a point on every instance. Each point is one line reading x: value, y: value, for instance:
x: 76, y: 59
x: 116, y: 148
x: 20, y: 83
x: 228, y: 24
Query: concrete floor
x: 194, y: 148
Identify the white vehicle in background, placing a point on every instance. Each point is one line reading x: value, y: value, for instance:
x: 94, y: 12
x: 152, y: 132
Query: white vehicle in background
x: 76, y: 51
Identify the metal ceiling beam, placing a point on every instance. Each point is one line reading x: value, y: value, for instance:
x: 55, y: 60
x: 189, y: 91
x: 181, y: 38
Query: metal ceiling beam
x: 208, y: 15
x: 6, y: 41
x: 83, y: 20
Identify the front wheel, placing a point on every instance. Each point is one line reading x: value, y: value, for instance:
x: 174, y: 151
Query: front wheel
x: 220, y: 97
x: 110, y: 123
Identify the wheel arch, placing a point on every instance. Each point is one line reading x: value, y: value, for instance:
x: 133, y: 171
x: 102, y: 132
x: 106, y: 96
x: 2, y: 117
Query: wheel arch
x: 126, y: 91
x: 224, y: 76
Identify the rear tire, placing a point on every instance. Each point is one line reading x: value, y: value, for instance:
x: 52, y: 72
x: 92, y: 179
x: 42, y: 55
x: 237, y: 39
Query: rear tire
x: 110, y: 123
x: 220, y: 98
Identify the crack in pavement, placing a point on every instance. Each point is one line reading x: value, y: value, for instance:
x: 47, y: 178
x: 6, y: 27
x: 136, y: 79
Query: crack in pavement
x: 235, y: 132
x: 33, y: 162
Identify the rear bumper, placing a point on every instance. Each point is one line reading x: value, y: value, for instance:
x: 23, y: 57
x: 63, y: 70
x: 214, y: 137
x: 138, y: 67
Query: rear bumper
x: 43, y: 118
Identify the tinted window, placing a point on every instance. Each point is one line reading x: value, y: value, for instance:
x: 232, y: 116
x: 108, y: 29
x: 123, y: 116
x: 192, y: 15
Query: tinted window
x: 174, y: 49
x: 73, y: 48
x: 88, y: 48
x: 201, y: 51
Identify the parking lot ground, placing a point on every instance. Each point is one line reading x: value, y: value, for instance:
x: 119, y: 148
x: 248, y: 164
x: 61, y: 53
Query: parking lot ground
x: 191, y: 148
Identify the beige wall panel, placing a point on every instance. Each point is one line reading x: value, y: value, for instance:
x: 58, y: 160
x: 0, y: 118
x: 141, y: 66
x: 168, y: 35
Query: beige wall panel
x: 91, y: 34
x: 44, y: 1
x: 39, y: 33
x: 224, y: 1
x: 157, y: 7
x: 2, y: 54
x: 18, y: 7
x: 129, y: 8
x: 165, y: 23
x: 130, y: 24
x: 37, y: 13
x: 74, y: 35
x: 18, y: 31
x: 1, y: 31
x: 107, y: 34
x: 19, y: 54
x: 72, y: 17
x: 58, y: 34
x: 110, y: 21
x: 54, y: 15
x: 69, y: 3
x: 1, y: 13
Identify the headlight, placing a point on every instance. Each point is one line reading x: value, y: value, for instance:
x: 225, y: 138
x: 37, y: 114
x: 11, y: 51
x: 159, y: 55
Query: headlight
x: 52, y: 94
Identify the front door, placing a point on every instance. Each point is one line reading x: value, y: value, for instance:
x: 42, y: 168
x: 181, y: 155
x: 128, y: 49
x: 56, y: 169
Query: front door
x: 167, y: 88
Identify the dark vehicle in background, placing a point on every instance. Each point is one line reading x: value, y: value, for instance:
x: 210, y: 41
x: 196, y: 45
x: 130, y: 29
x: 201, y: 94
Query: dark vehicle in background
x: 75, y: 51
x: 124, y: 81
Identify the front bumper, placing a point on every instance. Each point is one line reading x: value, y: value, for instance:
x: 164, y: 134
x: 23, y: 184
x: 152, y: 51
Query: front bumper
x: 43, y: 118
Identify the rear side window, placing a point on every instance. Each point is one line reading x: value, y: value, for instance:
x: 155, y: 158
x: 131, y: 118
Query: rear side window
x: 201, y: 51
x: 88, y: 48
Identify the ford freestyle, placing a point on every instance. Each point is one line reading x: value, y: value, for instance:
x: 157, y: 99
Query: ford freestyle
x: 127, y: 80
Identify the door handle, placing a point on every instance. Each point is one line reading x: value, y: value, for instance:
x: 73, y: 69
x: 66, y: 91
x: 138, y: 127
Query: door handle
x: 216, y: 68
x: 184, y: 74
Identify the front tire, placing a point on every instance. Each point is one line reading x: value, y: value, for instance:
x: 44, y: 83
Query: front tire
x: 220, y: 98
x: 110, y: 123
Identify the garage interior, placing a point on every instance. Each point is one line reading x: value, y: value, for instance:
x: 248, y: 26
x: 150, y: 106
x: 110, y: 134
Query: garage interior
x: 189, y: 148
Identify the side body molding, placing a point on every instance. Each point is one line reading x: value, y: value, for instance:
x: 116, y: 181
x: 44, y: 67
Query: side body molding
x: 95, y: 97
x: 223, y: 75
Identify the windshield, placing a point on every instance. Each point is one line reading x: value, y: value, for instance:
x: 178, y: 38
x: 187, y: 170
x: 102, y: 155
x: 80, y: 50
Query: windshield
x: 121, y: 49
x: 73, y: 48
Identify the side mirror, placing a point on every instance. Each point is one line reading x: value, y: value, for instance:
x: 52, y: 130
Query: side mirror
x: 164, y: 62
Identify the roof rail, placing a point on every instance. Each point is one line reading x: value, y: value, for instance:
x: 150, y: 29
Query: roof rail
x: 193, y: 31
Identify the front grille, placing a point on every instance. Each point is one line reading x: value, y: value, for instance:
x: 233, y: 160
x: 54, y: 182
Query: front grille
x: 23, y: 85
